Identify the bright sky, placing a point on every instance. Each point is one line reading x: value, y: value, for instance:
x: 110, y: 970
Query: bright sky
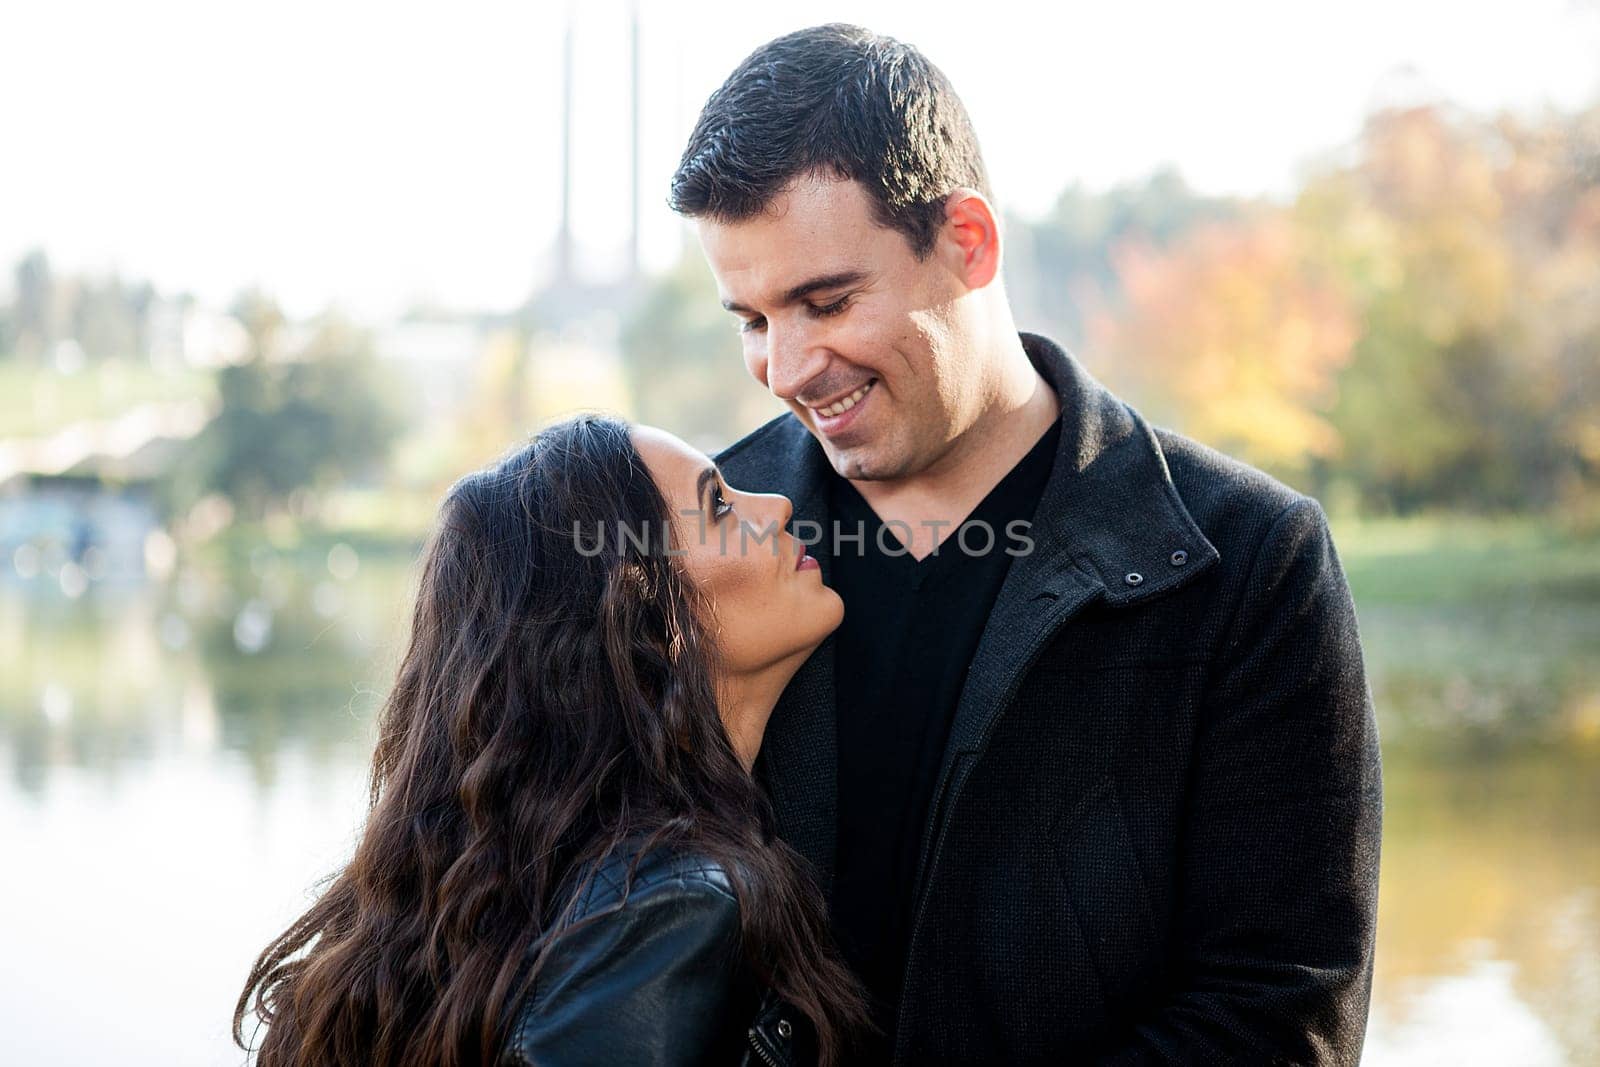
x: 372, y: 154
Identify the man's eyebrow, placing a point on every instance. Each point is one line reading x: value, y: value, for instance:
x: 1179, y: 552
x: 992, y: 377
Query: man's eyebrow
x: 806, y: 288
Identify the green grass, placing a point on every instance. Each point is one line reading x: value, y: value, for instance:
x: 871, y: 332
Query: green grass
x: 1456, y: 560
x: 35, y: 402
x: 385, y: 523
x: 1478, y: 634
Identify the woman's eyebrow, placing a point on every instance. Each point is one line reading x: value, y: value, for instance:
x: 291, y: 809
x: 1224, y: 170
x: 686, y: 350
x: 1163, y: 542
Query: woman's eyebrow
x: 707, y: 475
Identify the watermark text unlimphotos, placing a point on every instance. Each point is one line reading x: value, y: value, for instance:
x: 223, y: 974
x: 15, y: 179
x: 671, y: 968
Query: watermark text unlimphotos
x: 974, y: 537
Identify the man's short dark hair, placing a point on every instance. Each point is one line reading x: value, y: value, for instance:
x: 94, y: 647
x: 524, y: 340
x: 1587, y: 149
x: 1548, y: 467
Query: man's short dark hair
x: 837, y: 99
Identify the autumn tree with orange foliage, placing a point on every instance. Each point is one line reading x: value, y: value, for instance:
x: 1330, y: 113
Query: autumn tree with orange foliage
x: 1418, y: 329
x: 1471, y: 251
x: 1231, y: 336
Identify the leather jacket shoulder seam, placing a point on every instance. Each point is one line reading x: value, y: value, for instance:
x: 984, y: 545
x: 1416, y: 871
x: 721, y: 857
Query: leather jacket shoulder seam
x: 649, y: 883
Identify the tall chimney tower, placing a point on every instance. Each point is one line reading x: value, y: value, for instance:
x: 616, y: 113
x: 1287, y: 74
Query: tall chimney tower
x: 564, y: 239
x: 633, y: 151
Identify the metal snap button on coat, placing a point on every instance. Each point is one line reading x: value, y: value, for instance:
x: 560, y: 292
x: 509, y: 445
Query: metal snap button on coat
x: 1179, y: 558
x: 1134, y: 578
x: 785, y: 1031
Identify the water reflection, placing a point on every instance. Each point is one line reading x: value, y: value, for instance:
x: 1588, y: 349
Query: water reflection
x: 185, y: 757
x: 254, y: 658
x: 1491, y: 881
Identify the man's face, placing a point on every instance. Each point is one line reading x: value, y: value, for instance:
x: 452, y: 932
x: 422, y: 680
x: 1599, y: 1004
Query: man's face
x: 863, y: 341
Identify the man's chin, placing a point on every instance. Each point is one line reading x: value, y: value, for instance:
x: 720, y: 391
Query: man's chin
x: 859, y: 463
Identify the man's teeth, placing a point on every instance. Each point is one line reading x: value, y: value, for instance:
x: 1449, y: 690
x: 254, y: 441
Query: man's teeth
x: 842, y: 406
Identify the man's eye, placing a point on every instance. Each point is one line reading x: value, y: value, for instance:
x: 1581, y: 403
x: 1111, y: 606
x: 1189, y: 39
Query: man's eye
x: 822, y: 311
x: 749, y: 325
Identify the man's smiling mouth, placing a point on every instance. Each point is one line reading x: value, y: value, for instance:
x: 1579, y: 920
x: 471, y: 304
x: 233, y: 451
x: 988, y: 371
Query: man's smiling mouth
x: 844, y: 404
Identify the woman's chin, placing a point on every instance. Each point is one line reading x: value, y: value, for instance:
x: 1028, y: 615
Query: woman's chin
x: 812, y: 625
x: 829, y: 612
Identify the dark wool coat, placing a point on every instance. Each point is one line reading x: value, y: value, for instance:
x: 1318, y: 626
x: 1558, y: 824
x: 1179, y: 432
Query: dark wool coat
x: 1155, y: 834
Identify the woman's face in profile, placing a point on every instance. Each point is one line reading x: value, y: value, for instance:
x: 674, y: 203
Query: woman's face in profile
x: 768, y: 595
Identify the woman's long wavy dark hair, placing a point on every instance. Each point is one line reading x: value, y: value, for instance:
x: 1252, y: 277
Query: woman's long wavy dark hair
x: 552, y: 704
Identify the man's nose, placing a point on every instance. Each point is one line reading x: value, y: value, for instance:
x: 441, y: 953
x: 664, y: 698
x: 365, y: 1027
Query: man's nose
x: 793, y: 359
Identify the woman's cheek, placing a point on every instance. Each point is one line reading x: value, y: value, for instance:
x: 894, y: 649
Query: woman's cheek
x: 730, y: 574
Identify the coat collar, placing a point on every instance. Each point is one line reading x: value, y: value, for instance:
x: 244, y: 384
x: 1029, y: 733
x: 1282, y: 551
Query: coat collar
x: 1110, y: 506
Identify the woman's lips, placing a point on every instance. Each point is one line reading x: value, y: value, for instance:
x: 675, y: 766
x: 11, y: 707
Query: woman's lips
x: 806, y: 562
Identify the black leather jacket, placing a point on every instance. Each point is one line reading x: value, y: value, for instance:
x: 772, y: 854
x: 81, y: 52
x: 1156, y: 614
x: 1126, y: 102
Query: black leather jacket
x: 655, y: 978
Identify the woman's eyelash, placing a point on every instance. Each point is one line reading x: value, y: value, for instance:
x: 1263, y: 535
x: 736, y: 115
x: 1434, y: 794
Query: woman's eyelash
x: 719, y: 503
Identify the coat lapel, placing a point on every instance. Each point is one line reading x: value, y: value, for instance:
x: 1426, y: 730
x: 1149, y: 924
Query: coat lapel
x: 1108, y: 511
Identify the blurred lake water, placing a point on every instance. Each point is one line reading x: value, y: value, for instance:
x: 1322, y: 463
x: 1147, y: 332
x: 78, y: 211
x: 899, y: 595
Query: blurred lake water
x: 181, y: 761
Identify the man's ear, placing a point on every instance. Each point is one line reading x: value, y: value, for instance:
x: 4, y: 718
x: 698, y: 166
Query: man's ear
x: 971, y: 236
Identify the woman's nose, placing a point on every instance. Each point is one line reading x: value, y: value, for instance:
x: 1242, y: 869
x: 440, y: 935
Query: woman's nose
x: 776, y: 510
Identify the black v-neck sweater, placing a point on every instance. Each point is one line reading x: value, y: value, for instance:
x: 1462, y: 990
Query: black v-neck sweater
x: 909, y: 632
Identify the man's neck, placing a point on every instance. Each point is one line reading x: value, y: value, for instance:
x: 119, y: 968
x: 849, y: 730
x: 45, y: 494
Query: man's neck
x: 935, y: 500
